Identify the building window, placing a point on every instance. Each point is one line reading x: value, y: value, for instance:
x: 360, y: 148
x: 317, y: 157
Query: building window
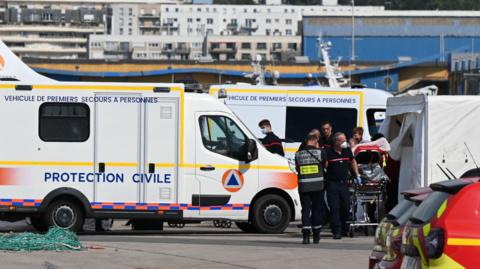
x: 121, y: 31
x: 246, y: 57
x: 268, y: 21
x: 209, y: 21
x: 288, y: 21
x: 277, y: 45
x: 267, y: 31
x: 246, y: 46
x: 261, y: 46
x: 130, y: 21
x: 166, y: 9
x: 292, y: 46
x: 129, y: 31
x: 64, y: 122
x: 189, y: 20
x: 198, y: 19
x: 176, y: 9
x: 209, y: 31
x: 277, y: 20
x: 130, y: 12
x: 288, y: 32
x: 199, y: 9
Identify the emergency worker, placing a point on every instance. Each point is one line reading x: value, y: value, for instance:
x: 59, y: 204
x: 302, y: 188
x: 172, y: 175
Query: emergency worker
x: 270, y: 141
x: 326, y: 140
x: 308, y: 162
x: 304, y: 143
x: 339, y: 160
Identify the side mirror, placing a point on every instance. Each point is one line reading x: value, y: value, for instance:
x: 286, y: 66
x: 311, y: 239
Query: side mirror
x: 251, y: 150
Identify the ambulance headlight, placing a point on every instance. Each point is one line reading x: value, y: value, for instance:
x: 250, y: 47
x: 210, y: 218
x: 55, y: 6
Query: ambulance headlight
x: 291, y: 164
x: 222, y: 93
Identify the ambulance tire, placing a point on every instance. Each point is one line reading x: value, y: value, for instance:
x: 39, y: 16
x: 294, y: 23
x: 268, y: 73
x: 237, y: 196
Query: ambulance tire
x: 64, y: 213
x: 271, y: 214
x: 247, y: 227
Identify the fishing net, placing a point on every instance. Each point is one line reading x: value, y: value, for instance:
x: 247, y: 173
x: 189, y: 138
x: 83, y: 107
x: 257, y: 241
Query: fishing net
x: 56, y: 239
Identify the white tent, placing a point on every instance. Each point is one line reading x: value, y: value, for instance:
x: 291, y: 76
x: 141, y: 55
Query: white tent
x: 426, y: 132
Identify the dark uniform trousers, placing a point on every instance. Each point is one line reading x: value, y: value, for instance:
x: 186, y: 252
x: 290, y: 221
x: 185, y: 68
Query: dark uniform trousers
x: 313, y: 204
x: 338, y: 197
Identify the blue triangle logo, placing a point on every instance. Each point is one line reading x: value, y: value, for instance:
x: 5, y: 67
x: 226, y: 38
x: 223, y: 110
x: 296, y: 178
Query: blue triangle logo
x: 233, y: 181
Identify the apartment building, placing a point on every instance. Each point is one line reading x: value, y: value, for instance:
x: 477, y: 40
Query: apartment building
x: 245, y: 48
x: 121, y: 47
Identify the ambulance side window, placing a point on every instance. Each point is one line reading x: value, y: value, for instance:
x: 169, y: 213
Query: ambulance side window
x: 222, y: 135
x: 375, y: 117
x: 300, y: 120
x: 64, y: 122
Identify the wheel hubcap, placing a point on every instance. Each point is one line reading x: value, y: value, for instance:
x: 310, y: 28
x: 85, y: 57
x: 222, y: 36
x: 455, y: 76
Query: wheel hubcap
x: 273, y: 215
x: 64, y: 216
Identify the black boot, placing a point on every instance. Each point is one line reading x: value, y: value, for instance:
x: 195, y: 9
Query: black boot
x: 306, y: 237
x: 316, y: 236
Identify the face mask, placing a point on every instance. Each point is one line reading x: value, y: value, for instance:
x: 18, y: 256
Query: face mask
x: 344, y: 145
x: 264, y: 130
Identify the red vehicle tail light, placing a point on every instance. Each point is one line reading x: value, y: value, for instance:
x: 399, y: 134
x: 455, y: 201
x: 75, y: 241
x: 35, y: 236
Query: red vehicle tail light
x: 434, y: 243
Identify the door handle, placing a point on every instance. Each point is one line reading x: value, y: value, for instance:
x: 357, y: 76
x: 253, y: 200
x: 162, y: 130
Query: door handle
x: 101, y: 167
x: 207, y: 168
x: 151, y: 168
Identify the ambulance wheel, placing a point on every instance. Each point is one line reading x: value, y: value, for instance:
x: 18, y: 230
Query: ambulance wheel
x: 64, y: 213
x: 246, y: 227
x: 271, y: 214
x: 38, y: 224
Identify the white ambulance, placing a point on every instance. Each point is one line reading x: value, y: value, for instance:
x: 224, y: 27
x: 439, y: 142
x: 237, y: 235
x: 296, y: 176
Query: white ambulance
x: 294, y: 111
x: 71, y: 150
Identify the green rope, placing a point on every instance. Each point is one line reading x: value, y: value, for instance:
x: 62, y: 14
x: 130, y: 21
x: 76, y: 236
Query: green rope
x: 56, y: 239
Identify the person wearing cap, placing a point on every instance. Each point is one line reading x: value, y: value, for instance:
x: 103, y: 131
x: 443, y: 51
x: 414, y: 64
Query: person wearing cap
x: 339, y: 161
x: 271, y: 142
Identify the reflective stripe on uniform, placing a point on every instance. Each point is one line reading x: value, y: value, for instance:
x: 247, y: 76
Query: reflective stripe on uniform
x: 309, y: 169
x: 338, y: 160
x: 307, y: 180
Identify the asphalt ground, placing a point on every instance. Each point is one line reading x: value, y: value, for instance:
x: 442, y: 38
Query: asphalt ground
x: 196, y: 246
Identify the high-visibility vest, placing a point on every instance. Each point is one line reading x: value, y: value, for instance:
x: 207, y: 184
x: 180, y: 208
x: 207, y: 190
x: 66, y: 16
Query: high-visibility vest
x: 310, y: 170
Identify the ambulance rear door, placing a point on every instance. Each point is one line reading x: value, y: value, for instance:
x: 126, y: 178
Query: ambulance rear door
x: 161, y: 151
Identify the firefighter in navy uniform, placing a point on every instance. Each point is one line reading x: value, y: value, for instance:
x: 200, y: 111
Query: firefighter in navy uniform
x: 326, y: 140
x: 308, y: 162
x: 339, y: 160
x: 271, y: 142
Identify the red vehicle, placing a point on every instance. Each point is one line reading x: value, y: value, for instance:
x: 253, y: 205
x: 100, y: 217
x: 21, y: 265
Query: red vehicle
x: 443, y: 232
x: 395, y: 218
x: 393, y: 241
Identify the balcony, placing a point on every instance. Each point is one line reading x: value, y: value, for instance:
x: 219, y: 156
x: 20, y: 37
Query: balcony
x: 222, y: 49
x: 182, y: 50
x: 170, y: 26
x: 232, y: 27
x: 150, y: 26
x: 148, y: 16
